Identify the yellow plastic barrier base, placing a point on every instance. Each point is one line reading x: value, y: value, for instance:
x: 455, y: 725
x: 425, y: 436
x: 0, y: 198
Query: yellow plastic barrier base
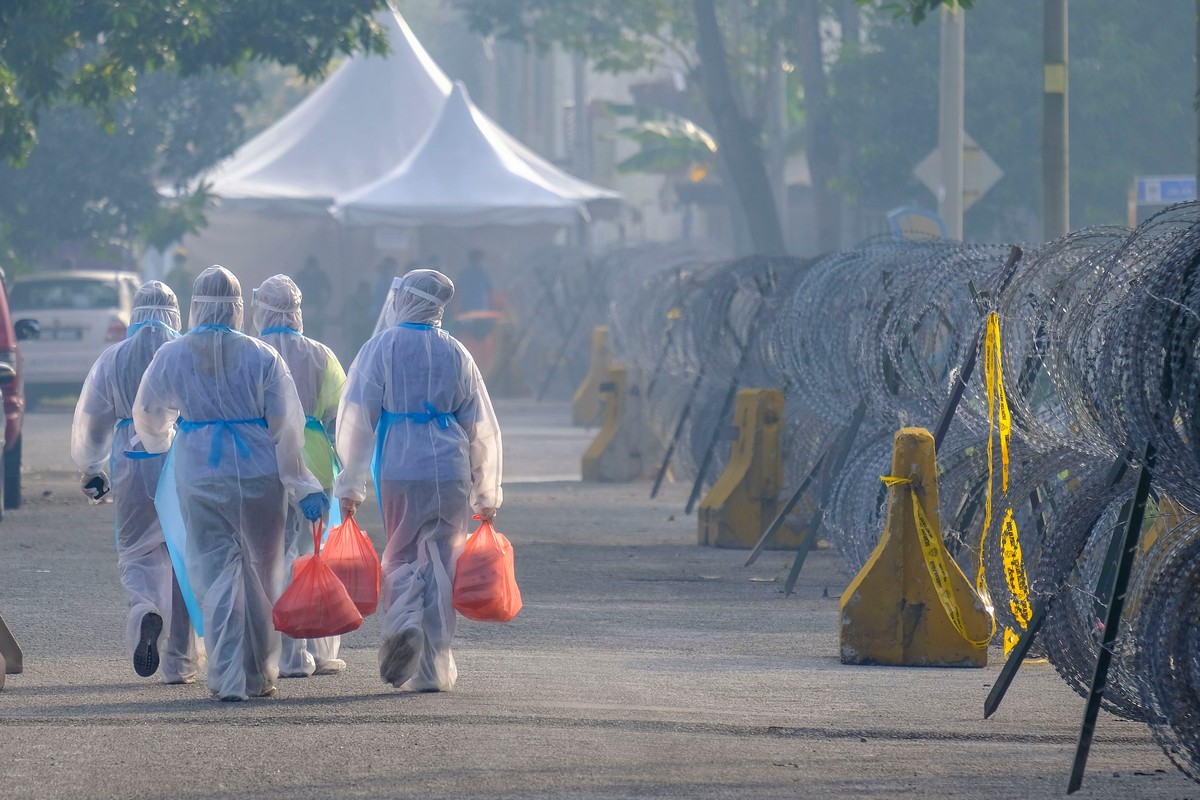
x: 745, y: 499
x: 588, y: 401
x: 892, y: 613
x: 624, y: 450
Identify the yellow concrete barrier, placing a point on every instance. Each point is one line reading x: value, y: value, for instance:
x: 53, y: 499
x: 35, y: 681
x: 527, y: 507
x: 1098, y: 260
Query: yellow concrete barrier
x: 624, y: 449
x: 587, y: 402
x: 745, y: 499
x: 911, y: 605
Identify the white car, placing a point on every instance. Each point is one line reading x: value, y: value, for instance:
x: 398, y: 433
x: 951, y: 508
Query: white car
x: 79, y: 313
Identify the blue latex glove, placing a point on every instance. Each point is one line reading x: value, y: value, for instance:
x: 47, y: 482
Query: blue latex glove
x: 314, y: 506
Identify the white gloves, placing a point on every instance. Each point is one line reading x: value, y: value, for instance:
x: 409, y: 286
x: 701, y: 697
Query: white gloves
x: 95, y: 486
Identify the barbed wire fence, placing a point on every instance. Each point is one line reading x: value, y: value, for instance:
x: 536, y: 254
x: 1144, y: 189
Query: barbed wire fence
x: 1099, y: 336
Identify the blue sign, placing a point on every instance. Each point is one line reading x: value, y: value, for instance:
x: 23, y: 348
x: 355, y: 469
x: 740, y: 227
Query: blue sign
x: 918, y: 224
x: 1163, y: 190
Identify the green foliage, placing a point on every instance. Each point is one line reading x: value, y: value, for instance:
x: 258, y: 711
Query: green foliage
x: 917, y: 10
x: 618, y: 35
x: 126, y: 40
x: 85, y: 183
x: 669, y: 145
x: 1130, y: 108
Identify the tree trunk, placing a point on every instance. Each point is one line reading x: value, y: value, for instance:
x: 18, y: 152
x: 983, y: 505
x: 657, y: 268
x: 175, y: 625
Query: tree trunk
x: 820, y: 145
x: 737, y: 139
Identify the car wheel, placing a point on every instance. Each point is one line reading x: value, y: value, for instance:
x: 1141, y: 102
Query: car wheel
x: 12, y: 475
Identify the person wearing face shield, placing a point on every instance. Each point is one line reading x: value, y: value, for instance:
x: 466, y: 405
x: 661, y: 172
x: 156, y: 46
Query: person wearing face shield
x: 319, y: 379
x: 158, y: 630
x: 226, y: 404
x: 416, y: 407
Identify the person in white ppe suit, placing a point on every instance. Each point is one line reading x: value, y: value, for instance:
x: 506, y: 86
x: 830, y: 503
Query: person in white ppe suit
x: 319, y: 379
x: 416, y: 406
x: 158, y: 630
x: 237, y: 457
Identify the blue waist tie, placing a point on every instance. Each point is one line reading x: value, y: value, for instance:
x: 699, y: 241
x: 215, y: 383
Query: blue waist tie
x: 386, y: 420
x: 280, y: 329
x: 219, y: 425
x: 136, y: 455
x: 430, y: 414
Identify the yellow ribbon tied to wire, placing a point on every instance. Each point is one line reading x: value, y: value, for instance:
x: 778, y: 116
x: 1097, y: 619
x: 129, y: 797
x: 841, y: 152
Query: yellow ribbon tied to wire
x: 934, y: 551
x: 1000, y: 421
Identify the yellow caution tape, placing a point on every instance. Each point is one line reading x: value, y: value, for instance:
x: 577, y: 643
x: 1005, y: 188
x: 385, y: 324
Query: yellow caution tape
x: 998, y: 417
x: 934, y: 551
x: 1000, y: 421
x: 1016, y: 578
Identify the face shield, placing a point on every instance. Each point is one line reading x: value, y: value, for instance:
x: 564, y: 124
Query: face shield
x: 277, y: 305
x: 419, y: 297
x: 154, y: 302
x: 216, y: 299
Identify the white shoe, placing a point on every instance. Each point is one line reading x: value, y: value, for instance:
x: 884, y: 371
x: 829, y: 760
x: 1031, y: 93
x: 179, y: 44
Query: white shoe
x: 331, y: 667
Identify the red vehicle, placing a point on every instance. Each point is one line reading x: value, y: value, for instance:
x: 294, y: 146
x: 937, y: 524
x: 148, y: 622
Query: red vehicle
x: 14, y: 399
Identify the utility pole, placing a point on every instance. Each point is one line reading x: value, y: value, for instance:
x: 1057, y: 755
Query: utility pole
x: 777, y: 132
x: 582, y: 146
x: 1056, y: 194
x: 950, y: 120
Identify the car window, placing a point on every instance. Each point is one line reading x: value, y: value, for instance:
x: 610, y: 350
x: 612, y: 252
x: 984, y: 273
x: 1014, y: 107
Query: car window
x: 69, y: 293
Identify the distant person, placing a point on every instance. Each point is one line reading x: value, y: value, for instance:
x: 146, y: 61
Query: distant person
x: 359, y: 313
x: 227, y: 405
x: 473, y: 288
x: 158, y: 629
x: 317, y: 290
x: 385, y: 273
x: 180, y: 279
x: 417, y: 417
x: 319, y: 379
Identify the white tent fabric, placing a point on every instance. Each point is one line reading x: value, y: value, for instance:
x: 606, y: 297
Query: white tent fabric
x: 466, y: 172
x: 361, y: 122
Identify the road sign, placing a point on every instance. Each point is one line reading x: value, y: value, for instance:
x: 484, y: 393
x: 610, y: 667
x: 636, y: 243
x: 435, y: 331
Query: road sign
x: 980, y: 173
x: 1163, y: 190
x: 918, y: 224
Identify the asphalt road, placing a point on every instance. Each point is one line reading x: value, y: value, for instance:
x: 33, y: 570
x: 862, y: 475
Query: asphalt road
x: 641, y: 666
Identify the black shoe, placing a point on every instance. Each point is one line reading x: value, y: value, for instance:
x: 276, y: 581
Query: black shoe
x: 145, y: 655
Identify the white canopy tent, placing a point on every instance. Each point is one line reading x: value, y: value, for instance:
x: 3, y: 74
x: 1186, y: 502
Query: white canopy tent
x: 467, y: 172
x: 356, y: 130
x: 357, y: 125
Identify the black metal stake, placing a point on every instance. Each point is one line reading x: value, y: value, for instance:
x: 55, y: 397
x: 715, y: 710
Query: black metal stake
x: 1112, y: 621
x: 1016, y: 657
x: 839, y: 446
x: 1040, y: 610
x: 683, y: 418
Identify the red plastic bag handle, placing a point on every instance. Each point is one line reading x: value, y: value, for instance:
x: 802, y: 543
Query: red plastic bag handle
x: 317, y: 539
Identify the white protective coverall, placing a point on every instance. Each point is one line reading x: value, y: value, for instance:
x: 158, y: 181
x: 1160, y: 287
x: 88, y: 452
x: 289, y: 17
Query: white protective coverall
x: 319, y: 380
x: 416, y: 405
x: 237, y: 456
x: 101, y: 436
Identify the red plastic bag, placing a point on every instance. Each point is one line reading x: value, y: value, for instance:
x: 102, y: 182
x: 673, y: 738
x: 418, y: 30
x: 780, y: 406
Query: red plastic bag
x: 351, y: 555
x: 485, y: 583
x: 316, y: 604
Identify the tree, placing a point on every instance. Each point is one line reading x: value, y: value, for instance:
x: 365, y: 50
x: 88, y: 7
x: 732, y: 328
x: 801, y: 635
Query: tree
x: 124, y: 40
x: 618, y: 35
x: 103, y: 102
x: 84, y: 184
x: 1130, y: 109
